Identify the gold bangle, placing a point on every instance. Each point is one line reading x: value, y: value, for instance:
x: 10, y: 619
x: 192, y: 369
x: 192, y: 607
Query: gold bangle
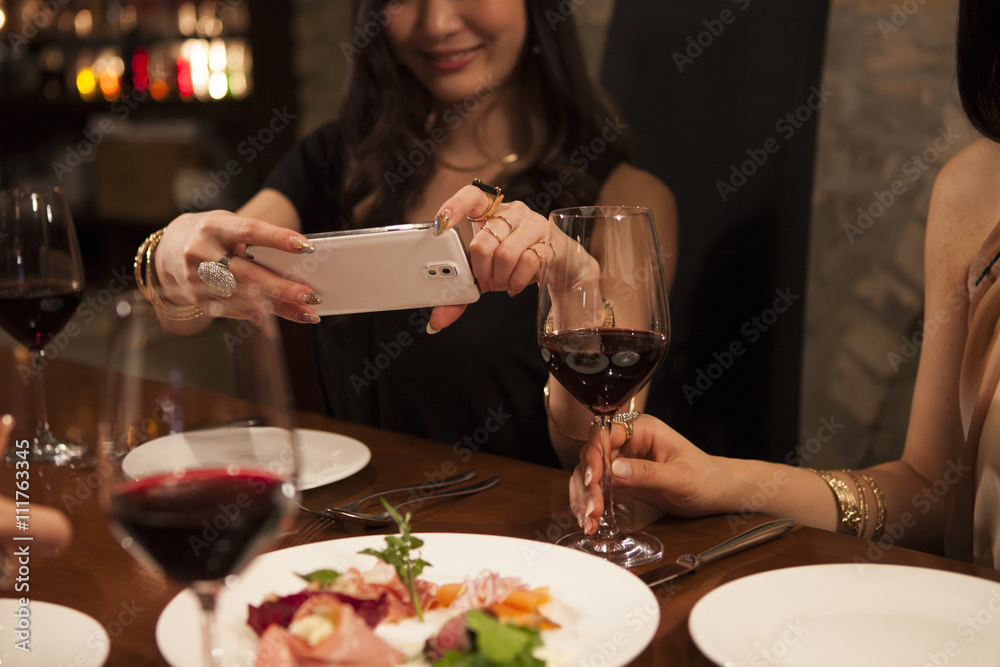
x: 548, y: 411
x: 150, y: 286
x: 862, y: 501
x: 848, y: 519
x: 625, y: 419
x: 879, y: 506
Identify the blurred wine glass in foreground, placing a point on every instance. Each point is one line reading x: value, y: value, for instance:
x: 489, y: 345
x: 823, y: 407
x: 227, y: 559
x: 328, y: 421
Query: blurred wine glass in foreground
x: 41, y: 283
x: 190, y: 486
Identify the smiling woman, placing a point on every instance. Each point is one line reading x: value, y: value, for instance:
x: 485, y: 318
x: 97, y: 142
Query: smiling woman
x: 439, y: 93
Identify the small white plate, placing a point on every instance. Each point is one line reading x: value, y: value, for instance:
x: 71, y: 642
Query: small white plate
x: 850, y: 614
x: 325, y: 457
x: 607, y: 615
x: 58, y: 636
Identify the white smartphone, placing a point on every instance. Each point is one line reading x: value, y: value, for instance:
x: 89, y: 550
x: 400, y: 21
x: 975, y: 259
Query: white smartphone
x: 379, y: 268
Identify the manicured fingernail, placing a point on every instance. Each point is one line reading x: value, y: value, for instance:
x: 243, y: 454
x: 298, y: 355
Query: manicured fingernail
x: 442, y: 222
x: 308, y: 318
x: 590, y: 507
x: 580, y: 520
x: 302, y: 245
x: 588, y: 476
x: 621, y: 469
x: 310, y: 298
x: 431, y: 330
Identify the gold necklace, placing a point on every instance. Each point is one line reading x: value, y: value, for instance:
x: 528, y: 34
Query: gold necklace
x: 510, y: 158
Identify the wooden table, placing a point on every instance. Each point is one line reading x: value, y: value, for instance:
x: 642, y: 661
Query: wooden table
x: 99, y: 578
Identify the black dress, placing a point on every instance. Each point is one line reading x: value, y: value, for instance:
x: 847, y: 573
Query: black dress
x: 476, y: 385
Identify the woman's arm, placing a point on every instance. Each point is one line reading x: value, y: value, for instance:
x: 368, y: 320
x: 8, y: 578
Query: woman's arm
x: 666, y: 470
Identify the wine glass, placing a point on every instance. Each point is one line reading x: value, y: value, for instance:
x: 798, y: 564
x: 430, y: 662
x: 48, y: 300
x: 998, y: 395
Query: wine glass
x: 197, y: 448
x: 603, y: 329
x: 41, y: 284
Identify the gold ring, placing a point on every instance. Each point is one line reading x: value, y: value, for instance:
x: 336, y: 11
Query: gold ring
x: 496, y: 197
x: 541, y: 260
x: 492, y: 233
x: 626, y: 419
x: 509, y: 226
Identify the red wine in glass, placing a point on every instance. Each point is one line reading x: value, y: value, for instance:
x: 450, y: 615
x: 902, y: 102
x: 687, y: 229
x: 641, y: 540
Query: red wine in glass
x: 32, y: 312
x: 603, y: 368
x: 204, y: 525
x: 41, y: 281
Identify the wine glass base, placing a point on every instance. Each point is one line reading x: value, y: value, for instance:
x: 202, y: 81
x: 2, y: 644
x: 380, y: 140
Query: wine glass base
x: 628, y: 550
x: 59, y: 453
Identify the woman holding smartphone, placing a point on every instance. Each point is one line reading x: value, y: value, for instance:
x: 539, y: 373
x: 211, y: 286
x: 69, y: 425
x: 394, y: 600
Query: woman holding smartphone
x: 445, y: 91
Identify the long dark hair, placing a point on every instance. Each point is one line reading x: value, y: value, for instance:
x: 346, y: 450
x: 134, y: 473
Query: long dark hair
x: 385, y: 111
x: 978, y: 56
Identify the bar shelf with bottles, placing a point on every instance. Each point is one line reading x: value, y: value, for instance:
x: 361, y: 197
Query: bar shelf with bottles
x: 75, y: 51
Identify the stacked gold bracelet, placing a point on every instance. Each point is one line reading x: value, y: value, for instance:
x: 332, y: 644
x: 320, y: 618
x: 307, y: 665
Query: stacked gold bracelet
x: 150, y: 286
x: 566, y: 434
x: 853, y: 511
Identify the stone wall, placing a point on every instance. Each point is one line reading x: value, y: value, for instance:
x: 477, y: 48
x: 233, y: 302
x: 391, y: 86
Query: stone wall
x: 892, y: 121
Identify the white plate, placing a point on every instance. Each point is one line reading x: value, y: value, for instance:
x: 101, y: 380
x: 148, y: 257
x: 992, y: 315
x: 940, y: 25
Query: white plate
x: 607, y: 614
x: 851, y: 614
x: 58, y: 636
x: 325, y: 457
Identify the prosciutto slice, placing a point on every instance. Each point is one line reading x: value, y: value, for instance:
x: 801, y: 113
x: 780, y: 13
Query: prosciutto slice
x: 324, y: 631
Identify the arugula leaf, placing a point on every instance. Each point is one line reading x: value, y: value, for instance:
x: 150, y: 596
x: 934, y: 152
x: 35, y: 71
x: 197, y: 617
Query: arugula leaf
x: 397, y: 554
x: 322, y: 577
x: 495, y: 644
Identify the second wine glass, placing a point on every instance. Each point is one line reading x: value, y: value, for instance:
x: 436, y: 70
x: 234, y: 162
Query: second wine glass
x: 603, y: 330
x: 41, y: 284
x: 190, y: 486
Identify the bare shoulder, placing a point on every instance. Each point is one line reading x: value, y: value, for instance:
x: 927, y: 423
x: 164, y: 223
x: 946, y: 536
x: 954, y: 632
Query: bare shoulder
x: 965, y: 206
x: 628, y: 184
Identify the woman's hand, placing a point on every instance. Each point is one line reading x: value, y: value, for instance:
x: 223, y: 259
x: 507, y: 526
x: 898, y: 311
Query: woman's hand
x: 508, y: 251
x: 657, y: 465
x: 194, y: 238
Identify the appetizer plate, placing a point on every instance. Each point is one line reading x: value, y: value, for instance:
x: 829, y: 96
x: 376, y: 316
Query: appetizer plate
x: 58, y: 636
x: 850, y: 614
x: 326, y: 457
x: 607, y: 615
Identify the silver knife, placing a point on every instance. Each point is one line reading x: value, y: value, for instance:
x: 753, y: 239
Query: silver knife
x: 691, y: 562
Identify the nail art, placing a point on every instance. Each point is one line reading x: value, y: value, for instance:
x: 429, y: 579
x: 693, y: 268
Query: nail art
x: 308, y: 318
x: 442, y: 222
x: 310, y: 298
x: 431, y: 330
x: 303, y: 245
x: 588, y: 476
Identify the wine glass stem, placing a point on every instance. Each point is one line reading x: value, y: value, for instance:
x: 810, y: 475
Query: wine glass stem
x: 208, y: 594
x: 43, y: 436
x: 607, y: 526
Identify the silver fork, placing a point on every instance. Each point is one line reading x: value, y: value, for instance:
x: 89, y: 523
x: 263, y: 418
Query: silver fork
x: 384, y: 518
